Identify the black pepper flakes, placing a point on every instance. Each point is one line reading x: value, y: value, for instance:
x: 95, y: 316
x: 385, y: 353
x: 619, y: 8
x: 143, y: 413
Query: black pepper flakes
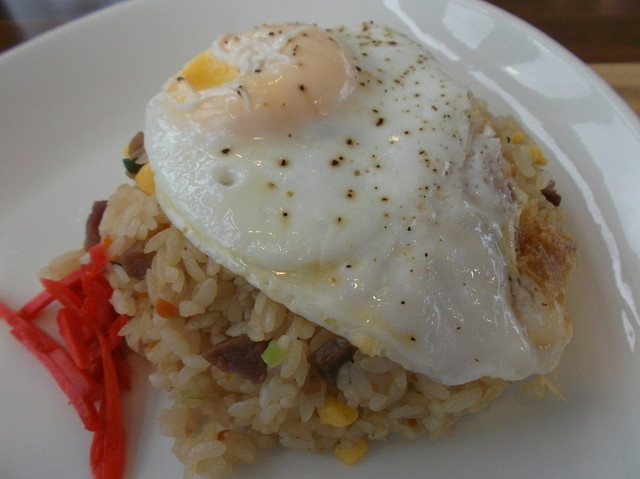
x: 337, y: 161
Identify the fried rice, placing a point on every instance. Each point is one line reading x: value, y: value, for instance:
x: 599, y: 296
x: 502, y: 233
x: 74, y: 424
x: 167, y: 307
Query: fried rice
x: 219, y: 418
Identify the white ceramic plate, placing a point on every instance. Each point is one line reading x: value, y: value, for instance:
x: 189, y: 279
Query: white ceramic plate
x: 70, y: 99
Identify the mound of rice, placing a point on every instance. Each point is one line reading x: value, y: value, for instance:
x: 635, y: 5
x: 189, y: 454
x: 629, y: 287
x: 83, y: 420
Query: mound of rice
x: 219, y: 418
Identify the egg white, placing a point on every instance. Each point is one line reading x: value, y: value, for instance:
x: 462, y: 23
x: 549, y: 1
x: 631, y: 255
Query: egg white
x: 381, y: 212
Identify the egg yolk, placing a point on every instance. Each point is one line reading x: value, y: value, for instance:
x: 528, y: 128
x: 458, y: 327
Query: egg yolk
x: 271, y: 79
x: 206, y: 71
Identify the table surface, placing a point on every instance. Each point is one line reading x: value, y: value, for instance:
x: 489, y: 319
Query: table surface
x: 605, y: 34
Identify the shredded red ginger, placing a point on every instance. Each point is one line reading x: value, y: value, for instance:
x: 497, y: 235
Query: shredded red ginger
x: 89, y: 363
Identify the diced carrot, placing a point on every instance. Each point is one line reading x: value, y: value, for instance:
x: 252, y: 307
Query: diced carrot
x: 106, y: 242
x: 165, y: 309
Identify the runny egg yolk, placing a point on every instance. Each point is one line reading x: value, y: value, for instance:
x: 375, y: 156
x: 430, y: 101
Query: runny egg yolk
x: 265, y: 81
x: 206, y: 71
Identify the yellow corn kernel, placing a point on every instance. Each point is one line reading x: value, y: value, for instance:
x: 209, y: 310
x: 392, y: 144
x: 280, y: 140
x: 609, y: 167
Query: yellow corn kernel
x: 206, y: 71
x: 537, y: 156
x: 352, y: 454
x: 144, y: 179
x: 336, y: 413
x: 517, y: 138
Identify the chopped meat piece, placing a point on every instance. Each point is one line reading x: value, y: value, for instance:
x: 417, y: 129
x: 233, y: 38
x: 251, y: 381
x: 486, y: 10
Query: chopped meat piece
x: 92, y: 233
x: 135, y: 261
x: 241, y: 356
x: 551, y: 195
x: 136, y: 155
x: 331, y: 356
x: 136, y: 145
x: 313, y: 382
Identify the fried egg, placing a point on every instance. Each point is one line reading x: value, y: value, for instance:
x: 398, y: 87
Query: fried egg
x: 343, y: 173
